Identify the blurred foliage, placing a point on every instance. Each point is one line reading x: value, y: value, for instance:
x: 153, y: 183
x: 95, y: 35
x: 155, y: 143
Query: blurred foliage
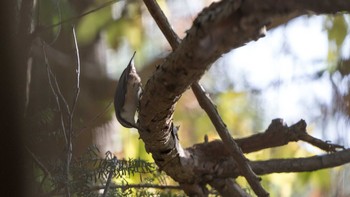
x: 90, y: 26
x: 337, y: 30
x: 50, y: 13
x: 236, y: 110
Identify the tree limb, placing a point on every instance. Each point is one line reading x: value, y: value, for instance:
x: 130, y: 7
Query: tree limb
x: 306, y: 164
x: 207, y: 105
x: 219, y: 165
x: 229, y: 143
x: 228, y: 187
x: 279, y: 134
x: 218, y: 29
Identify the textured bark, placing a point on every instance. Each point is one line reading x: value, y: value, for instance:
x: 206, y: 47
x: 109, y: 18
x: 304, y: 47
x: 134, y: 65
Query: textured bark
x: 228, y: 187
x: 221, y: 27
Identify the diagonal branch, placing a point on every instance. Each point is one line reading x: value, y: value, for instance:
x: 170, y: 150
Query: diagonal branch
x: 221, y: 27
x: 229, y: 143
x: 207, y: 105
x: 40, y: 164
x: 163, y: 23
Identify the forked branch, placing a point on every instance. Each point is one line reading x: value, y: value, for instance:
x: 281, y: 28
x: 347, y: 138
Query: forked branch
x: 221, y: 27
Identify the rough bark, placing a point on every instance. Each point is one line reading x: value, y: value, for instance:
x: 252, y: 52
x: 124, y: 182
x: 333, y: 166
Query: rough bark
x: 221, y: 27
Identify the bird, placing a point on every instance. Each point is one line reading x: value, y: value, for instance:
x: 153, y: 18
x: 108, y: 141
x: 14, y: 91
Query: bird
x: 127, y: 94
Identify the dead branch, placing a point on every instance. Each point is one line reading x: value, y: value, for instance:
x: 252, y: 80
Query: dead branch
x: 292, y: 165
x: 306, y: 164
x: 218, y: 164
x: 66, y: 125
x: 218, y: 29
x: 229, y: 143
x: 207, y: 105
x: 279, y: 134
x: 56, y: 91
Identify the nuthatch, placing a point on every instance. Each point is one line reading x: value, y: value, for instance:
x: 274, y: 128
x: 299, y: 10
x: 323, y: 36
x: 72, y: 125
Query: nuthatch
x: 126, y: 97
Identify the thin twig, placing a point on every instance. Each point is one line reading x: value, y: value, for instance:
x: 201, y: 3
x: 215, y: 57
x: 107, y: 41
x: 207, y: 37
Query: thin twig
x: 71, y: 114
x: 28, y: 82
x: 77, y: 88
x: 40, y: 164
x: 230, y: 143
x: 54, y: 89
x: 86, y: 126
x: 66, y: 128
x: 58, y: 95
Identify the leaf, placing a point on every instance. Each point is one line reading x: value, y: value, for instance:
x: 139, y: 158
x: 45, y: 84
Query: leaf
x: 337, y: 29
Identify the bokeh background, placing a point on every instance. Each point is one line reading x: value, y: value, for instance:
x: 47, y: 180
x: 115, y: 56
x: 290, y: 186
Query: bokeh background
x: 299, y: 70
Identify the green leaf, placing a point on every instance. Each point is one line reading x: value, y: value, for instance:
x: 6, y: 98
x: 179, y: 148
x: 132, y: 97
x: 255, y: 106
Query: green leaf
x: 337, y: 29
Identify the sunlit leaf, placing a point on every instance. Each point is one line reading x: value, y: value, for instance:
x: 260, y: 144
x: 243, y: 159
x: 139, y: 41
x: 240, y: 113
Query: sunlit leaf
x: 337, y: 29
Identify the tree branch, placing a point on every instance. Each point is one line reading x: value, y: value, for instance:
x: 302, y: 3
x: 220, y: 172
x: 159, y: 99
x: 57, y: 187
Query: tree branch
x: 306, y: 164
x: 207, y: 105
x: 228, y: 187
x: 163, y: 23
x: 229, y: 143
x: 40, y: 164
x: 218, y: 29
x: 280, y: 7
x: 217, y: 164
x: 279, y: 134
x: 293, y: 165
